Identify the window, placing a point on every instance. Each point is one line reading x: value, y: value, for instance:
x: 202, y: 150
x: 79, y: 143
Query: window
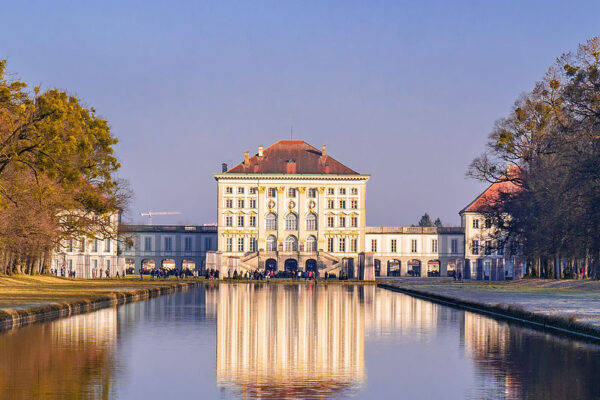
x: 500, y: 249
x: 229, y: 220
x: 342, y: 191
x: 95, y: 246
x: 252, y: 245
x: 330, y: 222
x: 330, y: 191
x: 291, y: 243
x: 311, y: 222
x: 207, y: 243
x: 107, y: 245
x: 271, y: 243
x: 95, y: 264
x: 70, y: 245
x: 342, y: 248
x: 228, y: 203
x: 434, y: 245
x: 354, y: 191
x: 168, y: 244
x: 374, y: 245
x: 311, y: 243
x: 354, y: 204
x: 187, y: 244
x: 342, y: 222
x: 252, y: 221
x: 291, y: 192
x: 475, y: 247
x: 330, y: 245
x: 241, y: 244
x: 240, y: 220
x: 413, y: 245
x: 488, y: 223
x: 82, y: 245
x: 353, y: 245
x: 354, y: 222
x: 475, y: 223
x: 252, y: 203
x: 272, y: 192
x: 271, y: 221
x: 240, y: 203
x: 228, y: 190
x: 147, y: 244
x: 229, y: 244
x: 342, y: 204
x: 70, y: 265
x: 240, y: 190
x: 253, y: 190
x: 393, y: 245
x: 312, y: 193
x: 454, y: 245
x: 330, y: 204
x: 488, y: 247
x: 291, y: 222
x: 108, y: 265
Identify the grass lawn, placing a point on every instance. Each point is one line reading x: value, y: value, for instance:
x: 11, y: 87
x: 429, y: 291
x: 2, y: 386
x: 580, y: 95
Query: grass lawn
x: 24, y: 291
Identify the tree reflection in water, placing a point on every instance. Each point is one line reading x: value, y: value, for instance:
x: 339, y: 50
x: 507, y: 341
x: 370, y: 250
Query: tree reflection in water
x: 70, y: 358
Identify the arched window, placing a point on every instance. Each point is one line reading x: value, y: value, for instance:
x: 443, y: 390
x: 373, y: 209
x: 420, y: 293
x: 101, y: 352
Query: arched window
x: 291, y: 243
x: 291, y: 222
x: 311, y: 222
x: 311, y: 243
x: 271, y: 221
x: 271, y: 243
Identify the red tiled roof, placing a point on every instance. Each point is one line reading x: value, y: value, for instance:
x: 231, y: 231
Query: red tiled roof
x: 287, y: 156
x: 492, y: 194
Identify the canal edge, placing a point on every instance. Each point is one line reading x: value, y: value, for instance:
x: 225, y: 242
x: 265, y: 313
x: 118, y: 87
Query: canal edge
x: 541, y: 322
x: 14, y: 319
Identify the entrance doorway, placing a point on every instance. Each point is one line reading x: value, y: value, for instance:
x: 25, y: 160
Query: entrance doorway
x: 393, y: 268
x: 291, y: 264
x: 414, y: 268
x: 271, y: 265
x: 433, y: 268
x: 311, y: 265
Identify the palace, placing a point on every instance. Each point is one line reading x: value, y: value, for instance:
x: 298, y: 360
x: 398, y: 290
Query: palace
x: 292, y: 206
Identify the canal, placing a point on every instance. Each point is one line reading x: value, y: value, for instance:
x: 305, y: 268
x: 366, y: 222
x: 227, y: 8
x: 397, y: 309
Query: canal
x: 275, y: 341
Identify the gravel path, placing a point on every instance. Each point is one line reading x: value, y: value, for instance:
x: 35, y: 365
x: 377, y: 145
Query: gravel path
x: 579, y: 300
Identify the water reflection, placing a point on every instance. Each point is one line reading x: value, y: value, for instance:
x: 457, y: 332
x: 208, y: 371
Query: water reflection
x: 518, y: 363
x: 278, y: 341
x: 67, y: 358
x: 291, y: 341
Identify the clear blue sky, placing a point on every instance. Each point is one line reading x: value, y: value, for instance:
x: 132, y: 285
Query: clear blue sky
x: 404, y: 91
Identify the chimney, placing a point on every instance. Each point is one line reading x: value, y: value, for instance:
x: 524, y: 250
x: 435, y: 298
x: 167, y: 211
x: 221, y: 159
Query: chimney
x: 290, y: 167
x: 224, y: 167
x: 246, y: 159
x: 260, y: 151
x: 323, y: 152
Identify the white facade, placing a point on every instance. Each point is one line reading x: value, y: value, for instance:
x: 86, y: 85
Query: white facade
x: 290, y: 217
x: 415, y: 251
x: 89, y: 257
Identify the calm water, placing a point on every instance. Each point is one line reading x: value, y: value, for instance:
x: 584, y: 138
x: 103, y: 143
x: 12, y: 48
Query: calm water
x: 292, y: 341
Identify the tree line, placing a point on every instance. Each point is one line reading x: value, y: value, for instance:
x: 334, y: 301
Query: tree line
x: 57, y: 174
x: 548, y: 150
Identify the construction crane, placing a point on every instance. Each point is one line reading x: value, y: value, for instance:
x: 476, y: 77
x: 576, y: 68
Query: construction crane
x: 149, y: 214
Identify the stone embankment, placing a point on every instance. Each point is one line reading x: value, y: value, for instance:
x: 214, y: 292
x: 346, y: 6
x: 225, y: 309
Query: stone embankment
x: 566, y: 307
x: 19, y: 313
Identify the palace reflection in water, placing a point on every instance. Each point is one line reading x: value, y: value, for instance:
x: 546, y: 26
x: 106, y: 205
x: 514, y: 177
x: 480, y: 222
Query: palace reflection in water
x: 291, y: 341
